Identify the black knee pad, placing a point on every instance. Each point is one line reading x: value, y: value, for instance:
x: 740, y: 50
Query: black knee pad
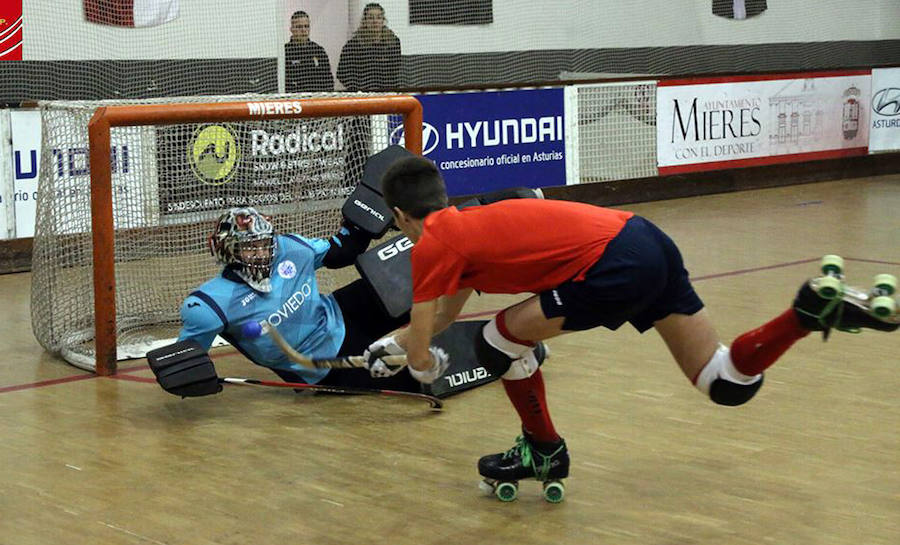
x: 732, y: 394
x: 495, y: 361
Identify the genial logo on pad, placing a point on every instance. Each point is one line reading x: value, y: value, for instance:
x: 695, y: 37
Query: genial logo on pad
x: 214, y: 154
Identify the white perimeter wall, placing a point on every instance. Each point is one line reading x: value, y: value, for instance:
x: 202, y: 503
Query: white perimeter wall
x: 56, y: 29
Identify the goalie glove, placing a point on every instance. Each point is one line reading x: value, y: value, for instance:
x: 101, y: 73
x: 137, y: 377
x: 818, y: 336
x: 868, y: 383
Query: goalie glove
x: 373, y: 355
x: 440, y: 361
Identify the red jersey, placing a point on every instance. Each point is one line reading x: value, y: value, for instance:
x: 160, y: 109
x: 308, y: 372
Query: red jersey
x: 512, y: 246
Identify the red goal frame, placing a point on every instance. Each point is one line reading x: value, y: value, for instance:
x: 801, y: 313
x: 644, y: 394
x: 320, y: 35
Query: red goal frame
x: 106, y: 117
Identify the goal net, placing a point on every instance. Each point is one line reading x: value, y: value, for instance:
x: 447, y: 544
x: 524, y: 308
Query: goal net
x: 123, y: 215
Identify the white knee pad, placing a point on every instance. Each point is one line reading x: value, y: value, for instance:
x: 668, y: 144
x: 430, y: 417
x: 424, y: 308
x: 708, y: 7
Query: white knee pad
x: 494, y: 338
x: 522, y: 368
x: 720, y: 366
x: 524, y: 362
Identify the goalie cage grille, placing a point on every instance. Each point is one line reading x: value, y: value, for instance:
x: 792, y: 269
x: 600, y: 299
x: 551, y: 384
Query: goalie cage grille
x: 169, y: 183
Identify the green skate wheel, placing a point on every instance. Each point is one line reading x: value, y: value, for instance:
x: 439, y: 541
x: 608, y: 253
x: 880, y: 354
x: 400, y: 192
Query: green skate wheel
x: 507, y: 491
x: 832, y: 264
x: 828, y: 287
x: 886, y: 283
x: 554, y: 491
x: 883, y: 306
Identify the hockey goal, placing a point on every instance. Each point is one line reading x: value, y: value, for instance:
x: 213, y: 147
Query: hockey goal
x: 129, y: 192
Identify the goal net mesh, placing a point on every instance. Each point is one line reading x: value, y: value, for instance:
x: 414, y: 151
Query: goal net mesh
x: 169, y: 184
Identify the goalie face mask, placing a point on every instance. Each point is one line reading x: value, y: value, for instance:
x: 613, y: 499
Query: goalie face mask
x: 244, y: 240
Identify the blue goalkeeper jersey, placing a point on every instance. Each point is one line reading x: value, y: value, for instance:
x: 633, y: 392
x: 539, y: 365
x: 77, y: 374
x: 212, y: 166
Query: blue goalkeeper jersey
x: 311, y: 322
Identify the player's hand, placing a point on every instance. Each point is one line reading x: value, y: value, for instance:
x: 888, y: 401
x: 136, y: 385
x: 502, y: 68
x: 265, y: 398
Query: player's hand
x: 384, y: 347
x: 440, y: 361
x: 377, y: 367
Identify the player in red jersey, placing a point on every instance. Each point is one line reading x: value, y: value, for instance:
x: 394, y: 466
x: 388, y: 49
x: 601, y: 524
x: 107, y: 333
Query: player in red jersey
x: 587, y: 266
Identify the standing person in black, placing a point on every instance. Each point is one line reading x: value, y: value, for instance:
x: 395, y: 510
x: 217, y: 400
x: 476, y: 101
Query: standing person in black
x: 306, y: 66
x: 370, y: 60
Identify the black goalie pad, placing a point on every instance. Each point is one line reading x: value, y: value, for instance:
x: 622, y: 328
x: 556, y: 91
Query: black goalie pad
x: 388, y: 270
x: 366, y: 207
x: 376, y: 165
x: 502, y: 195
x: 184, y: 369
x: 367, y: 210
x: 465, y: 371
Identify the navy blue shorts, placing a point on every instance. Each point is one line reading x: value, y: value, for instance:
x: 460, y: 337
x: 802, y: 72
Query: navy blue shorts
x: 640, y: 279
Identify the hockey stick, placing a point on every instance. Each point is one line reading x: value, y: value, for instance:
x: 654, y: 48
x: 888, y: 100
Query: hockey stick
x: 434, y: 402
x: 255, y: 329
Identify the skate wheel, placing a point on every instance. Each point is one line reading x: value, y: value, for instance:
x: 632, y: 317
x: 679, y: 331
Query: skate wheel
x: 507, y: 491
x: 832, y: 264
x: 828, y: 287
x: 554, y: 491
x: 886, y: 283
x: 883, y: 306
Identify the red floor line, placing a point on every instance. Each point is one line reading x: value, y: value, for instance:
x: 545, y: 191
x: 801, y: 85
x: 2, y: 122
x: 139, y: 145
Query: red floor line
x: 43, y: 383
x: 123, y: 376
x: 133, y: 378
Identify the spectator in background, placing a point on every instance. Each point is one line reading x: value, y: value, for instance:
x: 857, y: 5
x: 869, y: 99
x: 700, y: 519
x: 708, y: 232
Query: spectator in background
x: 306, y: 66
x: 370, y: 60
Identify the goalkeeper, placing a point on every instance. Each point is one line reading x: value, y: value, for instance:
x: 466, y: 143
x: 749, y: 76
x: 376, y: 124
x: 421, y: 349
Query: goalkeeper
x: 271, y: 277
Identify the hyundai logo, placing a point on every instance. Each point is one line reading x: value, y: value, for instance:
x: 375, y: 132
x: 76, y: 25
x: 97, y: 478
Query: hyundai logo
x: 430, y: 137
x: 886, y: 102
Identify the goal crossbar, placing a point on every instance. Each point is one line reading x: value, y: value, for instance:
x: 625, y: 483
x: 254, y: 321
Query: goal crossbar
x: 106, y: 117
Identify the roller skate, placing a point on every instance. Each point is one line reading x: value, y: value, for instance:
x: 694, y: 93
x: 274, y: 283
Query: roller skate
x: 502, y: 472
x: 827, y: 302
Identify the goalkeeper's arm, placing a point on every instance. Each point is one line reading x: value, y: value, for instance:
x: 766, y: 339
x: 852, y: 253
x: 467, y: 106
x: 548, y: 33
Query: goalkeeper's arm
x: 346, y: 244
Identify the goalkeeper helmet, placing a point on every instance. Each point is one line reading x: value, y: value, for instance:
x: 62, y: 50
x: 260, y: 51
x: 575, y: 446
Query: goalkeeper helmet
x: 244, y: 241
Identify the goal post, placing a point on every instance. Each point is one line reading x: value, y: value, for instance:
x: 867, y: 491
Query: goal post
x: 106, y: 222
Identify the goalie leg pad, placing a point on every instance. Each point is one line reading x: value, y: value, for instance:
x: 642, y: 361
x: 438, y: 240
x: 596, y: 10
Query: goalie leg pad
x: 184, y: 369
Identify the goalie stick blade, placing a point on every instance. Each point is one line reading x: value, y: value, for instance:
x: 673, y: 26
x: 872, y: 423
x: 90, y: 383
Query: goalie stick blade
x: 432, y: 401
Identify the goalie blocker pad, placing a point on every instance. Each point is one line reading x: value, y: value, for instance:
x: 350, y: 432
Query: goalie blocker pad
x: 184, y: 369
x: 388, y: 270
x: 465, y: 371
x: 365, y: 207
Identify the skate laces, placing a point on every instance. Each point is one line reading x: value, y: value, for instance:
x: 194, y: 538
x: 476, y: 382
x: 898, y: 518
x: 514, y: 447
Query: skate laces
x: 524, y: 450
x: 833, y: 307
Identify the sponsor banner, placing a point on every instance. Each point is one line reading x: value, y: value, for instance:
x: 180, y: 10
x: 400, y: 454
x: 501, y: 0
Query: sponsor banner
x: 885, y: 132
x: 210, y: 167
x: 69, y: 167
x: 11, y: 30
x: 748, y: 121
x: 25, y: 128
x: 483, y: 141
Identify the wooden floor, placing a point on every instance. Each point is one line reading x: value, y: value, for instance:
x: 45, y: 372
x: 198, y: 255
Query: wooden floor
x: 813, y: 459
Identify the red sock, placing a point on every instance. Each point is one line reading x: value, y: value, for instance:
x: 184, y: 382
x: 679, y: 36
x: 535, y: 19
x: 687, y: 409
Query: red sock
x: 527, y: 396
x: 755, y: 351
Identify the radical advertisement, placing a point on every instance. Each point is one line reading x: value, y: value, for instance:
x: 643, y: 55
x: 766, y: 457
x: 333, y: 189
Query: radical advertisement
x: 483, y: 141
x: 885, y: 133
x: 756, y: 120
x: 220, y: 165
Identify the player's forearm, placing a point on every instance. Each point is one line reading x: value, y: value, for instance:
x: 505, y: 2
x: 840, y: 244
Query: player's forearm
x: 416, y: 338
x: 448, y: 309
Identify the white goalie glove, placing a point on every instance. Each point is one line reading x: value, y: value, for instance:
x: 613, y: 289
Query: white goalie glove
x: 440, y: 361
x: 373, y: 355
